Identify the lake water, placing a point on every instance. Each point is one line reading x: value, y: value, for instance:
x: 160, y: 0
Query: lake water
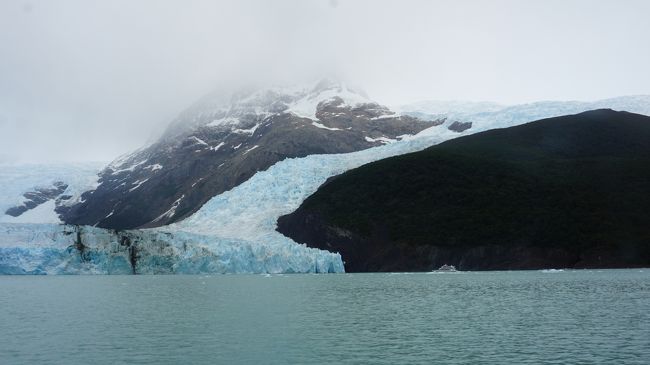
x: 533, y: 317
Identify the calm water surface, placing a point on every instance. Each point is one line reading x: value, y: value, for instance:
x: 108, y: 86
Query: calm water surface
x: 571, y: 317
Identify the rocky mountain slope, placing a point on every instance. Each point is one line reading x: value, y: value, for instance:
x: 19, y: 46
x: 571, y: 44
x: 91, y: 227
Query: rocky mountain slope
x: 221, y: 142
x: 562, y: 192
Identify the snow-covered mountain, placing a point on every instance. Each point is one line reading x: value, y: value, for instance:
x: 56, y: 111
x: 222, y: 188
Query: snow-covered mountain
x: 220, y: 142
x: 30, y: 193
x: 487, y: 115
x: 228, y: 229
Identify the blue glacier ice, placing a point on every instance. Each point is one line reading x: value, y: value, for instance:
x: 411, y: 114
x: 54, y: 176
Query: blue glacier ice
x: 17, y: 179
x: 62, y: 249
x: 233, y: 233
x: 486, y: 115
x: 250, y: 210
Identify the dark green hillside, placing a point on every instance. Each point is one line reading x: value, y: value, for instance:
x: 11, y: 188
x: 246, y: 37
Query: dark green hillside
x: 572, y: 191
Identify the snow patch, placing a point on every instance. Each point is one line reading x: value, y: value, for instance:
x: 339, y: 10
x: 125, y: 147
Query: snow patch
x: 199, y: 140
x: 383, y: 140
x: 216, y: 148
x: 138, y: 184
x: 130, y: 168
x: 250, y: 131
x: 153, y: 167
x: 250, y: 149
x: 171, y: 211
x: 321, y: 126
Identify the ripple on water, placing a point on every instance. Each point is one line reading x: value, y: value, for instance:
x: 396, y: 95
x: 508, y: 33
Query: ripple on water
x: 416, y: 318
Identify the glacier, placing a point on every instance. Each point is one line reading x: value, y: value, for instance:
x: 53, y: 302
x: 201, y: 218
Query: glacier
x: 488, y: 115
x: 40, y: 249
x: 250, y: 210
x: 234, y: 232
x: 17, y: 179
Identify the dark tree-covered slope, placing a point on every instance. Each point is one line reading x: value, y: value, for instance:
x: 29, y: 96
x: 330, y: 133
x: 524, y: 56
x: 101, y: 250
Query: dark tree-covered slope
x: 571, y: 191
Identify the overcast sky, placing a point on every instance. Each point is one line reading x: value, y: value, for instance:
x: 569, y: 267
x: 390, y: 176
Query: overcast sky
x: 89, y: 80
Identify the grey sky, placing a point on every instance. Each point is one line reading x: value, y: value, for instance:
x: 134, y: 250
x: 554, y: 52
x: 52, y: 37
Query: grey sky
x: 88, y: 80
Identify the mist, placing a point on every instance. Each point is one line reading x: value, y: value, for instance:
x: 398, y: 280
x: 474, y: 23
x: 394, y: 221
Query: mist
x: 90, y: 80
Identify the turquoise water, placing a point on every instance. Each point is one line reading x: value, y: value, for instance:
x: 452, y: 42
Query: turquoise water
x: 570, y: 317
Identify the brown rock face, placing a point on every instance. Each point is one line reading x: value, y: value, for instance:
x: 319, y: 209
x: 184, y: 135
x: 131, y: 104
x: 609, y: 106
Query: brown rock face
x: 459, y: 126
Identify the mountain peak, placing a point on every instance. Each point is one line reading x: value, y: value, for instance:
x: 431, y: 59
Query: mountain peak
x: 251, y: 105
x: 224, y: 139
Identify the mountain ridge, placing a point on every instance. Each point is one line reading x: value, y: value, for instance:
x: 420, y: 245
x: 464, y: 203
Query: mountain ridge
x: 213, y: 147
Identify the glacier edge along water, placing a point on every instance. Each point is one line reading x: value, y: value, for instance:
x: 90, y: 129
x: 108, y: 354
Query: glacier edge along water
x: 233, y: 233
